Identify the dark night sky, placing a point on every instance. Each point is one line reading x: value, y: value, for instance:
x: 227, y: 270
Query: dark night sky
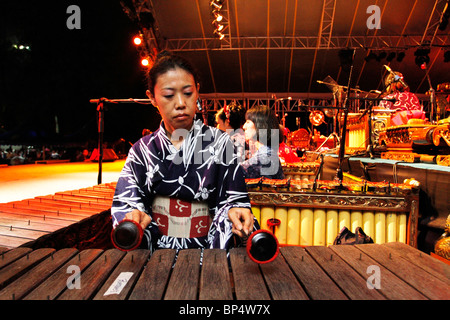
x: 65, y: 69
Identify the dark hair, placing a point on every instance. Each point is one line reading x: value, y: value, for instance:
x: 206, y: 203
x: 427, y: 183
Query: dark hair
x: 164, y: 62
x: 265, y: 121
x: 236, y: 115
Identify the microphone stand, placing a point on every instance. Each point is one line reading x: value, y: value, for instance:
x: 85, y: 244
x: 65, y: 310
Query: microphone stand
x: 101, y: 130
x: 339, y: 173
x: 432, y: 99
x: 101, y: 125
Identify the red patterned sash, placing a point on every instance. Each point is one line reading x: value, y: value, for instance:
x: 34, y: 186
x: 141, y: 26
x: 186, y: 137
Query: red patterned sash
x: 181, y: 219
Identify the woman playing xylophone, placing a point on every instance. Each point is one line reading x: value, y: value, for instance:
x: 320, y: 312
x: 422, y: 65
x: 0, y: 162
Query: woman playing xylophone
x: 182, y: 183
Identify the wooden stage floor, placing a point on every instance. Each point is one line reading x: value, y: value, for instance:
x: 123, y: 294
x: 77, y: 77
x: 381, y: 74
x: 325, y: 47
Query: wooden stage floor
x: 41, y: 198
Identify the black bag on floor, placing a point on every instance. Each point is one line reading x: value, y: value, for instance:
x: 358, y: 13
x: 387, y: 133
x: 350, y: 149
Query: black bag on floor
x: 345, y: 236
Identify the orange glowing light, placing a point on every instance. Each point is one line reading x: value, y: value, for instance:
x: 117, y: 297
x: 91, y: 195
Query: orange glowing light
x: 137, y: 40
x: 145, y: 62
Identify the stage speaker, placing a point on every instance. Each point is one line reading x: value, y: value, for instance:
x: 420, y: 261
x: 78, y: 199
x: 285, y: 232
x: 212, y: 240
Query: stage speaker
x: 108, y: 155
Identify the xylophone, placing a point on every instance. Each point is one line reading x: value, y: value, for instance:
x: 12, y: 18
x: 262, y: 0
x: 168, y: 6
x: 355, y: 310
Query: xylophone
x: 298, y: 273
x: 308, y: 214
x: 305, y: 170
x: 30, y: 219
x: 357, y: 137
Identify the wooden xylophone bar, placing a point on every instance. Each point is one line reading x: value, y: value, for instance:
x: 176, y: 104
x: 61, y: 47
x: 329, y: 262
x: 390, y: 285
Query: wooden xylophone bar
x: 26, y: 220
x: 298, y: 273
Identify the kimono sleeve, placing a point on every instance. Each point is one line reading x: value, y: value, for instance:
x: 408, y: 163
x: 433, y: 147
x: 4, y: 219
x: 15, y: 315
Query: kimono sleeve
x: 232, y: 193
x: 132, y: 190
x: 233, y: 190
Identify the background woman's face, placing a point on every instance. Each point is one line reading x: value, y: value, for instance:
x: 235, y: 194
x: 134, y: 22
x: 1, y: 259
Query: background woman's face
x: 176, y: 95
x: 249, y: 130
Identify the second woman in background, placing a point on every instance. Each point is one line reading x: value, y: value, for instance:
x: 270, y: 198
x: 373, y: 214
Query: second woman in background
x: 230, y: 119
x: 262, y: 132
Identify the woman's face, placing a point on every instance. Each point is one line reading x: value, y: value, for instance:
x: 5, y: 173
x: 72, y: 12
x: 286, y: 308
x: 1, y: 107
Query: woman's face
x: 176, y: 95
x: 249, y: 130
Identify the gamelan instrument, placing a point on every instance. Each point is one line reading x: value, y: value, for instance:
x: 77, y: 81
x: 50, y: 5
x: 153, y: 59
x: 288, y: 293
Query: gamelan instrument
x: 313, y: 212
x: 305, y: 170
x: 338, y: 272
x: 299, y: 139
x: 66, y: 218
x: 316, y: 117
x: 412, y: 141
x: 357, y: 138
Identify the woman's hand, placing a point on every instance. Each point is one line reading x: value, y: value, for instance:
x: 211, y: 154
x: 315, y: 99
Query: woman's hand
x: 242, y: 220
x: 142, y: 218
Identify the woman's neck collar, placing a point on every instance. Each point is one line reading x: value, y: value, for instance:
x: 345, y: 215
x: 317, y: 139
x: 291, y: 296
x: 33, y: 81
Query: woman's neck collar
x: 180, y: 137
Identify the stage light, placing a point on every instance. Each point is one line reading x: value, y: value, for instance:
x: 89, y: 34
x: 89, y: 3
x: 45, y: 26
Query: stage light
x: 218, y: 17
x: 137, y: 40
x: 370, y: 56
x: 422, y: 57
x: 390, y: 56
x: 215, y: 5
x: 218, y: 26
x: 381, y: 55
x: 145, y: 62
x: 447, y: 56
x: 400, y: 56
x: 21, y: 47
x: 219, y: 34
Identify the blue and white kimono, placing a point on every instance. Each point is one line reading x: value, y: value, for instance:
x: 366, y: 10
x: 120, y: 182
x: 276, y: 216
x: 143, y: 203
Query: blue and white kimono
x: 204, y: 169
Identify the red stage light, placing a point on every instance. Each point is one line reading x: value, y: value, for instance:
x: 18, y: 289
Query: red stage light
x: 145, y: 62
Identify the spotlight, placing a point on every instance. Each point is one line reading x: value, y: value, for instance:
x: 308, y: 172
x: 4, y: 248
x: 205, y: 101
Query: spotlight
x: 447, y: 56
x: 381, y: 56
x: 390, y: 56
x: 422, y: 57
x: 215, y: 5
x: 217, y: 16
x: 370, y: 56
x: 219, y: 34
x: 400, y: 56
x: 137, y: 40
x: 145, y: 62
x: 218, y: 26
